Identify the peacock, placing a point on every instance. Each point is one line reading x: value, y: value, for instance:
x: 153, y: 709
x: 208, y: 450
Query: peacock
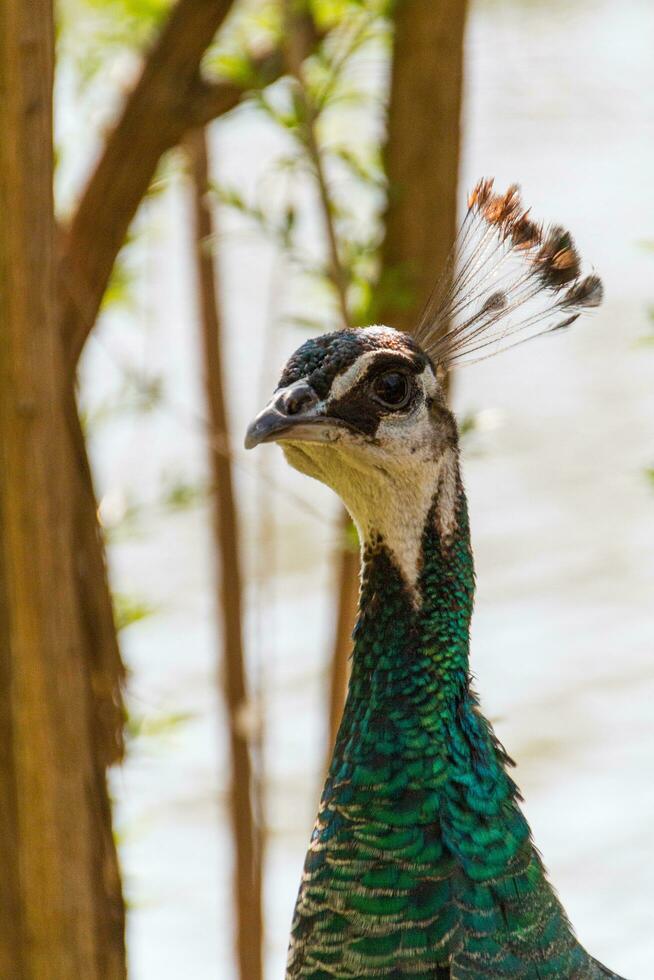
x: 421, y: 863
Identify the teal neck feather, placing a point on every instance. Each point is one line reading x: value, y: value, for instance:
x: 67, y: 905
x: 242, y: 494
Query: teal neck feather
x: 421, y: 863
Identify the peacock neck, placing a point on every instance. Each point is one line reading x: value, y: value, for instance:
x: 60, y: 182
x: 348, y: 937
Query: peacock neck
x: 411, y: 640
x: 421, y: 862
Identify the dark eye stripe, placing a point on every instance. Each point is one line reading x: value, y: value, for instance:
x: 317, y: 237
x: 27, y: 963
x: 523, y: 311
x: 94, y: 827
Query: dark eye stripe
x: 356, y: 405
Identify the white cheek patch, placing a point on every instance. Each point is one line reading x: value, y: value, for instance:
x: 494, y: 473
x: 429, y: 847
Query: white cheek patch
x: 407, y: 435
x: 413, y: 433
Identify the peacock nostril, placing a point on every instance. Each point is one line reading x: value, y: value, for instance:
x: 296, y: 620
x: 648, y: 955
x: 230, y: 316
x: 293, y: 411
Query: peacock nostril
x: 297, y: 398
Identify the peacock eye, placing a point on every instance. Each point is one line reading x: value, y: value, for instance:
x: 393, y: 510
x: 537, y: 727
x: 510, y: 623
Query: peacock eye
x: 392, y: 389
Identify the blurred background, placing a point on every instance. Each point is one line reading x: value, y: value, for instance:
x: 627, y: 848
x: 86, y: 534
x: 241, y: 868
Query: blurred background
x: 279, y: 200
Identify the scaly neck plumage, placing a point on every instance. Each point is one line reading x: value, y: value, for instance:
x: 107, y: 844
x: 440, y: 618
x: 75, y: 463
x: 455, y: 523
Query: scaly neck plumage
x: 421, y: 860
x: 411, y: 640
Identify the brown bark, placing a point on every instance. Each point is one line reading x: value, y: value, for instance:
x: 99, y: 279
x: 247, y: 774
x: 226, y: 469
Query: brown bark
x: 56, y: 851
x: 102, y: 653
x: 247, y: 844
x: 422, y: 150
x: 105, y: 675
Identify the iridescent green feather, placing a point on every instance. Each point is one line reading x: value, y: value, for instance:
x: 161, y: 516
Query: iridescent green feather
x: 421, y: 863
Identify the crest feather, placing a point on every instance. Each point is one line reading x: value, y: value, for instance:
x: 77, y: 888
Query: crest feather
x: 508, y: 279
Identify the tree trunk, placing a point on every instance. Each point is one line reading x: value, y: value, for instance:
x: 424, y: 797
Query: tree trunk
x: 422, y: 151
x: 57, y: 919
x: 245, y: 833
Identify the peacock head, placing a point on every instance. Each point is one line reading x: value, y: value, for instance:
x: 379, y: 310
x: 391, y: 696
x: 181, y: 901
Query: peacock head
x: 364, y: 410
x: 356, y: 405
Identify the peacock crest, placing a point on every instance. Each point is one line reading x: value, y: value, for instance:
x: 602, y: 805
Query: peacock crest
x: 508, y: 279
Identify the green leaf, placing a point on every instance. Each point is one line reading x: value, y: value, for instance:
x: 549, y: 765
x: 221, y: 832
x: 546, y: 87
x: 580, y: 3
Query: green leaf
x: 367, y: 171
x: 467, y: 424
x: 181, y: 495
x: 119, y: 290
x: 129, y: 610
x: 157, y: 725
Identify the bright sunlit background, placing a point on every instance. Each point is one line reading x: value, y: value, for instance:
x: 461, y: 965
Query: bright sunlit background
x: 560, y: 97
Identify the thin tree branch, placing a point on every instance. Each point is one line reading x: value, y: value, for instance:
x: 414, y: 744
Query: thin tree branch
x: 247, y: 843
x: 169, y: 99
x: 210, y: 99
x: 298, y: 34
x: 152, y: 121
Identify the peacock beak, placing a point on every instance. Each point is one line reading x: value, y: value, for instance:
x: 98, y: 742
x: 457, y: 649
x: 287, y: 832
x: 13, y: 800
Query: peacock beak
x: 293, y: 413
